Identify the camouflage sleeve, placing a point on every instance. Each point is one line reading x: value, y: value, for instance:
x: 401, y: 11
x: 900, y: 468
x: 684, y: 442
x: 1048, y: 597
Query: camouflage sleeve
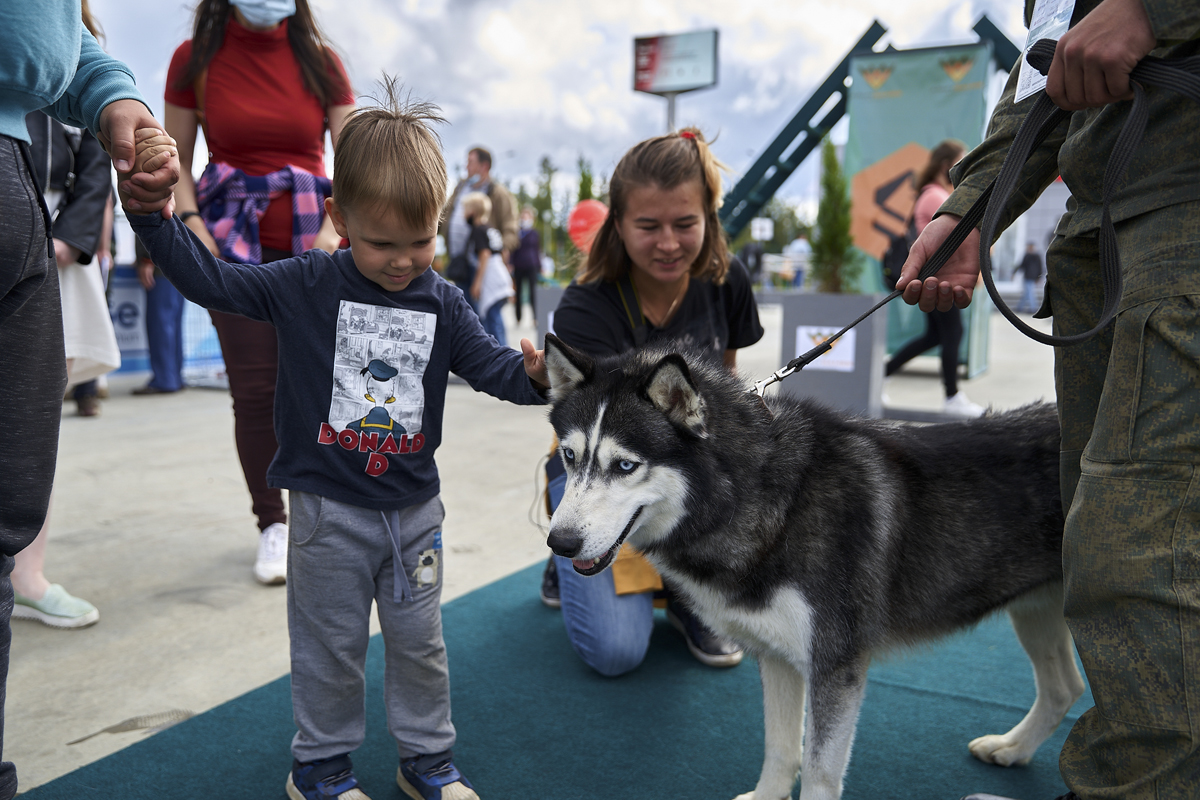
x: 1173, y: 21
x: 980, y: 166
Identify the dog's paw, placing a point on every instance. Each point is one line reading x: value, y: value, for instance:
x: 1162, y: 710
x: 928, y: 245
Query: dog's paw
x: 1000, y: 750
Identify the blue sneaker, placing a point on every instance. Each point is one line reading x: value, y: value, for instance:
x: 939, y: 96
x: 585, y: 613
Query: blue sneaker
x: 440, y: 782
x: 324, y: 779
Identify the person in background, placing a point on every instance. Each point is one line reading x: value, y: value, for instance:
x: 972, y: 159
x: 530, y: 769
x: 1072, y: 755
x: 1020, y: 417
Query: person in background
x: 799, y: 253
x: 87, y: 395
x: 51, y: 62
x: 942, y: 328
x: 526, y: 262
x: 164, y: 327
x: 493, y: 284
x: 73, y: 175
x: 1032, y: 268
x: 752, y: 256
x: 457, y: 230
x: 260, y: 79
x: 659, y: 272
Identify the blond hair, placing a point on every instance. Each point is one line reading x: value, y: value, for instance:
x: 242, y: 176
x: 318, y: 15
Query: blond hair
x: 388, y: 157
x: 477, y: 205
x: 666, y: 162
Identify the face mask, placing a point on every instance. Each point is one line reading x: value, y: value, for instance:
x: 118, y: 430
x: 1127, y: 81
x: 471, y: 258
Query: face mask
x: 526, y: 223
x: 473, y: 181
x: 265, y: 13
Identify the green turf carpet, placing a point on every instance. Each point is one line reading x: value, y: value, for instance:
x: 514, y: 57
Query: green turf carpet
x: 534, y: 723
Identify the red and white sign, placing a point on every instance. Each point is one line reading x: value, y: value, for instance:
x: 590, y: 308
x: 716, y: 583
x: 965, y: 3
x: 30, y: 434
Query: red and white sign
x: 680, y: 62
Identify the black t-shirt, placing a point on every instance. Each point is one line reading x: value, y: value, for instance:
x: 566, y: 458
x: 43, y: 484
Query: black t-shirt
x: 711, y: 319
x: 483, y: 238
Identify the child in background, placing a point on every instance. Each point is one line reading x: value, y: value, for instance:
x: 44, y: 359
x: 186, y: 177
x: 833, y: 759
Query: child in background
x: 367, y: 337
x: 493, y: 284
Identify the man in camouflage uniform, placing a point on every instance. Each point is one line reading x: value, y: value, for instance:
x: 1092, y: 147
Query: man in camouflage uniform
x: 1129, y: 399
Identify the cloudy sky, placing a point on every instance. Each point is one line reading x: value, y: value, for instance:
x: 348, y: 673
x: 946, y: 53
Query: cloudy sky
x: 528, y: 78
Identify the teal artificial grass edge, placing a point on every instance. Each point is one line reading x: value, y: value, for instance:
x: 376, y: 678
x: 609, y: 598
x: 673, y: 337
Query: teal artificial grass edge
x: 534, y: 722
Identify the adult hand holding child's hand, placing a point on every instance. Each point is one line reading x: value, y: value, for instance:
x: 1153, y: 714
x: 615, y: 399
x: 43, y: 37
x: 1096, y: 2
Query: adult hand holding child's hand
x: 155, y: 154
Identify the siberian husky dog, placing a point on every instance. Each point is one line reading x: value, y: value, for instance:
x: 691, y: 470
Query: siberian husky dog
x: 816, y: 539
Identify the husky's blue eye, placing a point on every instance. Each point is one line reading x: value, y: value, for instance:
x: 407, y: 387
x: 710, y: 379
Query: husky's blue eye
x: 625, y: 465
x: 568, y: 454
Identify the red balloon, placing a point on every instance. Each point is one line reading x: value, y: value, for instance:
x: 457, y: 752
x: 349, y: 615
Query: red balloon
x: 584, y: 221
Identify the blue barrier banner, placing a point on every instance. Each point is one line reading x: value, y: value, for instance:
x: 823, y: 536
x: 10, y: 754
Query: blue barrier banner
x: 202, y: 361
x: 127, y: 306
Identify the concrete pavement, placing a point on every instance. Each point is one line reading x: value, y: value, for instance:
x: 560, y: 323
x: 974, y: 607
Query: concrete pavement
x: 151, y: 522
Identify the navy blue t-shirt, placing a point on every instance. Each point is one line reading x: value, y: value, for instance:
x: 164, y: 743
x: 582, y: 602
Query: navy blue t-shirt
x: 362, y: 371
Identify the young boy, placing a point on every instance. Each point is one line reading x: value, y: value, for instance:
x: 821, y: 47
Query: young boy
x: 367, y: 337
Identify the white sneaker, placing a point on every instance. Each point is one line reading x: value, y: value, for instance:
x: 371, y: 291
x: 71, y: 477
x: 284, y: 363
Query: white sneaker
x: 270, y: 567
x: 958, y: 405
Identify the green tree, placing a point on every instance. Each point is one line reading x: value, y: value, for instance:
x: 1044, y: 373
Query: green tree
x: 835, y: 264
x: 523, y: 196
x: 543, y: 205
x: 585, y: 179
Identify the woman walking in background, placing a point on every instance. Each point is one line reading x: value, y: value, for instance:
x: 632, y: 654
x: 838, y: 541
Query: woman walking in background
x: 527, y: 261
x: 943, y: 328
x: 260, y: 79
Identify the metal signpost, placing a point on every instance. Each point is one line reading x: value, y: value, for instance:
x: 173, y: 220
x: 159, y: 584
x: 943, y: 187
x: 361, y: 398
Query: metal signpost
x: 670, y: 65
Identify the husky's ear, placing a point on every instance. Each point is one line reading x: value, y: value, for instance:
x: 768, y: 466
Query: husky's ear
x: 567, y: 367
x: 672, y: 392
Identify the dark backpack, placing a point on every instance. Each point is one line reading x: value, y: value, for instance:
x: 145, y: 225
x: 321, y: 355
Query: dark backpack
x: 896, y: 254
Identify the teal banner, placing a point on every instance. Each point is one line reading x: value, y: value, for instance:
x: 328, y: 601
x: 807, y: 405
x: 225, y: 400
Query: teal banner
x: 901, y: 104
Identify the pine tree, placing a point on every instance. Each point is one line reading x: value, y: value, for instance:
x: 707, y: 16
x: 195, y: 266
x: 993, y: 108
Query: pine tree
x: 585, y: 179
x: 835, y: 263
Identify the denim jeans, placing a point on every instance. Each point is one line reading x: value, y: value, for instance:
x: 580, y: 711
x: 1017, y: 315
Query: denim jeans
x: 610, y: 632
x: 164, y: 334
x: 493, y: 322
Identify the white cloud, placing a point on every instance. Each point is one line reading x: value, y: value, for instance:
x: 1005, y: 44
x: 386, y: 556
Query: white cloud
x: 534, y: 78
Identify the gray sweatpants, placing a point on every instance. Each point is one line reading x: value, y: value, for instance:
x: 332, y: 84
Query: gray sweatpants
x: 340, y: 558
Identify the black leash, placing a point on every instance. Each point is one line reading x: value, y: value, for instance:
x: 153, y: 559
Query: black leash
x: 1181, y: 75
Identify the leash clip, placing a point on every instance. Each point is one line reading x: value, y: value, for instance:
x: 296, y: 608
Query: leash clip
x: 760, y: 387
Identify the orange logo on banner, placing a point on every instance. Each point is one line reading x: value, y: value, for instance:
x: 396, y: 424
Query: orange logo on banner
x: 882, y: 197
x: 957, y: 68
x: 876, y: 76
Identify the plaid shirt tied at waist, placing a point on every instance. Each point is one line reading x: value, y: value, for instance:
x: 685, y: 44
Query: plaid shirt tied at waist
x: 231, y: 203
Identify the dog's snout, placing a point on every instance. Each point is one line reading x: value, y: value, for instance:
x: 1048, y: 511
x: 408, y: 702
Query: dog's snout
x: 565, y: 543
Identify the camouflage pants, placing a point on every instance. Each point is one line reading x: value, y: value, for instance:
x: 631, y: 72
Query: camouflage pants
x: 1129, y: 401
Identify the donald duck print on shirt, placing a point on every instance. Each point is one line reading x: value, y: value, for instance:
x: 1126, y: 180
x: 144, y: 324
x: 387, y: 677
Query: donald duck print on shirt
x: 378, y: 397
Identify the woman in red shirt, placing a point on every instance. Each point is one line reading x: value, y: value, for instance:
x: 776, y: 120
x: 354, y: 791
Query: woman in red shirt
x: 264, y: 87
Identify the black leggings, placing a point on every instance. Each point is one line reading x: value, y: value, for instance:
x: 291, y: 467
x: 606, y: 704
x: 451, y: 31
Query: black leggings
x: 525, y: 278
x: 941, y: 328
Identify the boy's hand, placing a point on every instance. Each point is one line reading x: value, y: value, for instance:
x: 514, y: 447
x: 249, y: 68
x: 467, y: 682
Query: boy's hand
x: 535, y: 364
x: 153, y: 151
